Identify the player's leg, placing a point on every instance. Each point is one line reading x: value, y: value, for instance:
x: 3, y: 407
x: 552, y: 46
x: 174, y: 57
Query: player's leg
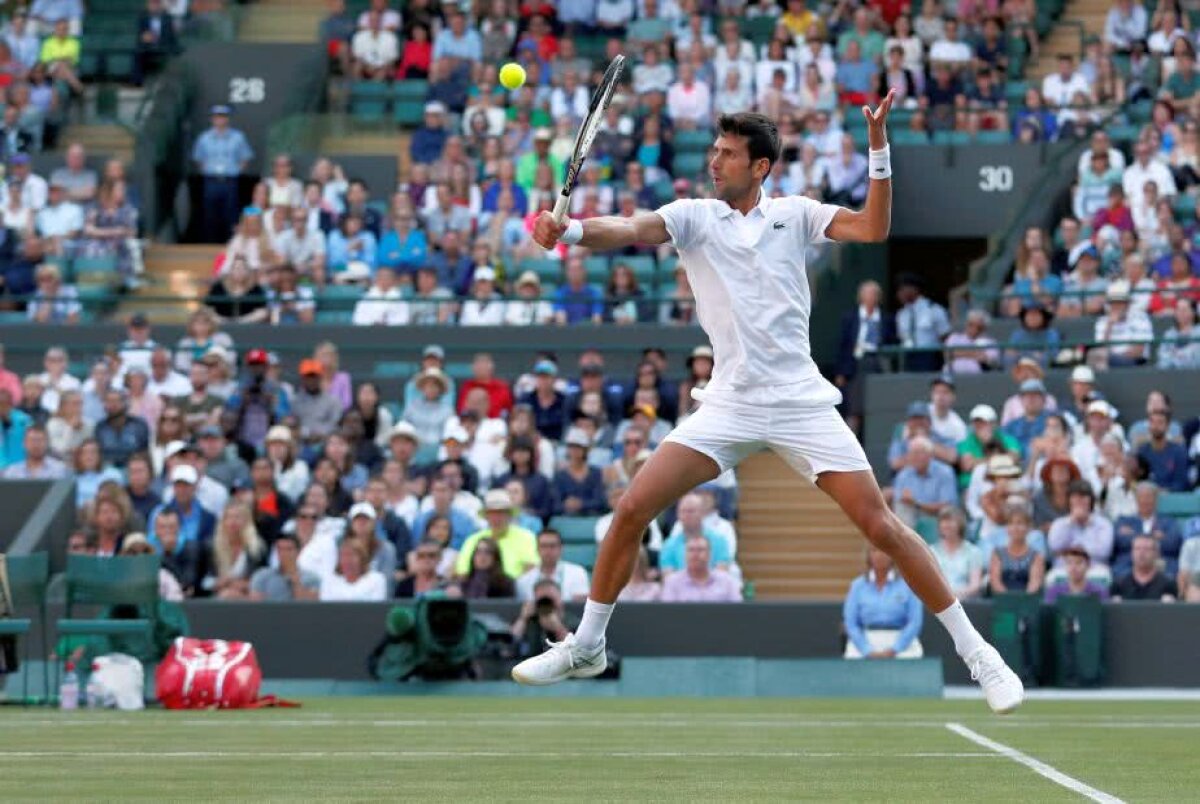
x: 672, y: 470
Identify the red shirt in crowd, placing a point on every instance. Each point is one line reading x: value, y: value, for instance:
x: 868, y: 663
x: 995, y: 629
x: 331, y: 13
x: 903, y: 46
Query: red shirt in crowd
x: 498, y: 392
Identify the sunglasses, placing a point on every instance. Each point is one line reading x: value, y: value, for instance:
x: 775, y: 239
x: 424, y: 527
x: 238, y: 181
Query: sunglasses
x: 306, y: 516
x: 427, y: 555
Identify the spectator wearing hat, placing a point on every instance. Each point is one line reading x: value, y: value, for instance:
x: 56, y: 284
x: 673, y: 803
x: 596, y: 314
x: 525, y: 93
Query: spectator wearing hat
x: 1129, y: 332
x: 208, y: 492
x: 1084, y: 289
x: 578, y: 487
x: 920, y: 324
x: 196, y: 523
x: 700, y: 364
x: 982, y: 436
x: 432, y: 356
x: 576, y: 301
x: 220, y: 154
x: 972, y: 351
x: 1076, y: 562
x: 924, y: 485
x: 1168, y: 460
x: 1027, y: 368
x: 429, y: 411
x: 1082, y: 527
x: 528, y: 163
x: 1082, y: 385
x: 1052, y: 500
x: 316, y: 410
x: 518, y: 547
x: 1146, y: 521
x: 363, y: 526
x: 1033, y: 419
x: 549, y: 405
x: 484, y: 308
x: 1034, y: 337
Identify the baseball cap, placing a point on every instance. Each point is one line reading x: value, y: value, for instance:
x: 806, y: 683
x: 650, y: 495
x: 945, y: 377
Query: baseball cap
x: 983, y: 413
x: 1032, y: 386
x: 484, y: 273
x: 528, y: 278
x: 403, y: 430
x: 435, y: 107
x: 497, y: 500
x: 185, y: 474
x: 543, y: 134
x: 1099, y: 406
x: 309, y: 367
x: 19, y: 159
x: 1118, y: 291
x: 257, y: 357
x: 545, y: 367
x: 1090, y: 251
x: 647, y: 411
x: 138, y: 320
x: 209, y: 431
x: 174, y: 448
x: 279, y: 433
x: 221, y: 109
x: 576, y: 438
x: 1002, y: 465
x: 362, y: 509
x: 943, y: 379
x: 918, y: 410
x: 433, y: 350
x: 456, y: 433
x: 1083, y: 374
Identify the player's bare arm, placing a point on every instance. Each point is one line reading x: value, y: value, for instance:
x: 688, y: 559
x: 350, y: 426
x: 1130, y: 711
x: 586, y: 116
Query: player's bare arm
x: 605, y: 233
x: 872, y: 223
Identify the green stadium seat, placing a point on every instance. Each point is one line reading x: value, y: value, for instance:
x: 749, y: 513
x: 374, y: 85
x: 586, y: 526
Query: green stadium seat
x: 1179, y: 504
x: 642, y: 265
x: 693, y: 141
x: 119, y: 67
x: 576, y: 529
x: 1140, y: 111
x: 459, y: 371
x: 410, y: 89
x: 1014, y: 92
x: 688, y: 165
x: 859, y: 135
x: 391, y: 369
x: 27, y: 580
x: 958, y: 138
x: 664, y: 191
x: 12, y: 317
x: 1184, y: 207
x: 995, y: 137
x: 90, y: 270
x: 368, y: 111
x: 89, y: 65
x: 597, y: 270
x: 583, y: 554
x: 408, y: 113
x: 335, y: 317
x: 1124, y: 132
x: 899, y: 118
x: 758, y: 30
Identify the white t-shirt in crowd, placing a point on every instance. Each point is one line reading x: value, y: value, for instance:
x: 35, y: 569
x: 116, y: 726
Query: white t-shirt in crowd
x: 369, y: 587
x: 572, y: 581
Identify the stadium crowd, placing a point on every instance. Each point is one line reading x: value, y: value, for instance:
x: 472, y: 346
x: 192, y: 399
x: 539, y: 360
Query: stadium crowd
x: 251, y: 486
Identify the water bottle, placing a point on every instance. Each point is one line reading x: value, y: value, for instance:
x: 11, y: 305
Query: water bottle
x: 93, y: 688
x: 68, y: 693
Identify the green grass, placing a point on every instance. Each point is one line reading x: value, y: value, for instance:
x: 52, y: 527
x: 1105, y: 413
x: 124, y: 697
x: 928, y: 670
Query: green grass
x: 471, y: 749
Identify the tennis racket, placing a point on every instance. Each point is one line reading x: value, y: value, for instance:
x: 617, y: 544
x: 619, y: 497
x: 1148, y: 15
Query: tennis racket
x: 601, y: 98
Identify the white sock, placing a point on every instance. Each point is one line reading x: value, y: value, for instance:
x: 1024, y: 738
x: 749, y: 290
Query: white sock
x: 966, y: 638
x: 595, y: 620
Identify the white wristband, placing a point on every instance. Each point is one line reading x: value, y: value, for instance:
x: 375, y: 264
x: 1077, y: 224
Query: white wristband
x: 573, y: 234
x: 880, y: 163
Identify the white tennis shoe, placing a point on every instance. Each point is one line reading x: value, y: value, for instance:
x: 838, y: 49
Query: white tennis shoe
x: 560, y: 661
x: 1001, y: 686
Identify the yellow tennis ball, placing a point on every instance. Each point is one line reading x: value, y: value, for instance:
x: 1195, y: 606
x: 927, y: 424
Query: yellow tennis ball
x: 512, y: 75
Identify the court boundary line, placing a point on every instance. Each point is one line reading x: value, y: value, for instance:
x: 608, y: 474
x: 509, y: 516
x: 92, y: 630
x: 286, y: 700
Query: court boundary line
x: 1036, y: 765
x: 485, y: 754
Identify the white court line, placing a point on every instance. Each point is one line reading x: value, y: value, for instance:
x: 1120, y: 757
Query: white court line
x: 1035, y: 765
x: 225, y: 719
x: 253, y: 755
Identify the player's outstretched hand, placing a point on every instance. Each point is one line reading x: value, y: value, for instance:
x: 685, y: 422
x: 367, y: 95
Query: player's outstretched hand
x: 877, y: 121
x: 546, y: 231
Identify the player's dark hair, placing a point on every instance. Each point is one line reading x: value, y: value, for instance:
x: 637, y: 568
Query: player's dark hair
x: 760, y: 131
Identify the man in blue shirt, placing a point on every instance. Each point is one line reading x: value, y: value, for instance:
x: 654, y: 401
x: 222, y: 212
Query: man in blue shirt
x: 13, y: 424
x: 925, y: 486
x: 456, y: 41
x: 1168, y: 460
x: 690, y: 510
x: 1031, y: 425
x: 195, y: 522
x: 429, y: 140
x: 220, y: 154
x: 920, y: 324
x: 577, y: 302
x: 881, y: 615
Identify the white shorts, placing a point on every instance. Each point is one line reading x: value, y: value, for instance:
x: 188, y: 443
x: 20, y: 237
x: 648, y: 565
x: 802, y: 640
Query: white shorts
x: 812, y: 440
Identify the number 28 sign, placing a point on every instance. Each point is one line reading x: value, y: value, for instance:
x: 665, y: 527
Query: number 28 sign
x: 244, y: 90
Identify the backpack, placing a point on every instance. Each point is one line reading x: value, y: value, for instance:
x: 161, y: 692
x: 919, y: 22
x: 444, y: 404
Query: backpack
x: 211, y: 673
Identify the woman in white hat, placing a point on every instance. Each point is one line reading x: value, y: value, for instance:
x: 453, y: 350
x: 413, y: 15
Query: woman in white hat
x: 485, y: 307
x: 291, y: 475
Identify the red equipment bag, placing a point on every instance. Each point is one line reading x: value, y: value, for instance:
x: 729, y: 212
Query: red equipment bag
x: 211, y: 673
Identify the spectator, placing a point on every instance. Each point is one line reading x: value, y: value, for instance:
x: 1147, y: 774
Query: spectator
x: 375, y: 50
x: 863, y: 332
x: 486, y: 577
x: 353, y: 580
x: 1016, y: 566
x: 156, y: 40
x: 1059, y: 89
x: 1180, y: 345
x: 848, y: 180
x: 237, y: 296
x: 1167, y: 460
x: 881, y: 616
x: 221, y: 154
x: 139, y: 486
x: 288, y: 302
x: 1035, y: 340
x: 1129, y: 331
x: 68, y: 428
x: 1083, y: 527
x: 181, y: 559
x: 350, y: 244
x: 972, y: 351
x: 546, y: 401
x: 950, y: 50
x: 1076, y: 561
x: 528, y: 163
x: 196, y: 523
x: 109, y: 226
x: 430, y: 410
x: 961, y: 561
x: 483, y: 376
x: 539, y: 494
x: 383, y: 304
x: 983, y: 435
x: 924, y: 486
x: 37, y: 463
x: 54, y: 302
x: 1125, y: 23
x: 365, y: 528
x: 60, y: 54
x: 577, y: 301
x: 1084, y: 290
x: 303, y: 248
x: 426, y: 576
x: 690, y: 512
x: 1145, y: 581
x: 945, y: 424
x: 119, y: 434
x: 1146, y: 521
x: 921, y: 325
x: 416, y: 55
x: 286, y: 580
x: 571, y: 579
x: 1147, y: 169
x: 698, y: 583
x: 485, y: 307
x: 578, y: 487
x: 643, y: 587
x: 456, y: 41
x: 1053, y: 499
x: 316, y: 410
x: 1034, y: 411
x: 403, y: 247
x: 237, y: 553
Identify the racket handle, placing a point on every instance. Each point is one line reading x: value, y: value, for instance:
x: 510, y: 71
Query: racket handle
x: 560, y: 208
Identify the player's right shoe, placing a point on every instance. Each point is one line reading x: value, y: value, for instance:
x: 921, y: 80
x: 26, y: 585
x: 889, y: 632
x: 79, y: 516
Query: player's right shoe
x: 1001, y: 686
x: 560, y: 661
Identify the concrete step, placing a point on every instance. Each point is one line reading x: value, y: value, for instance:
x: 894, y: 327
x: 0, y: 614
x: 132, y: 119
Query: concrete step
x: 101, y: 139
x: 278, y: 22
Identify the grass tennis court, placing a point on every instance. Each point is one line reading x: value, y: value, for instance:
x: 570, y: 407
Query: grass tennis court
x: 496, y: 749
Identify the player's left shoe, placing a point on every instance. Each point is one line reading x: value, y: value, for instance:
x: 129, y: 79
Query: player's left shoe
x: 1001, y: 686
x: 560, y: 661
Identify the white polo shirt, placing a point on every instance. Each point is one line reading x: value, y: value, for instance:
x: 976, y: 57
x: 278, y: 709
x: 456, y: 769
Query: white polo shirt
x: 752, y: 296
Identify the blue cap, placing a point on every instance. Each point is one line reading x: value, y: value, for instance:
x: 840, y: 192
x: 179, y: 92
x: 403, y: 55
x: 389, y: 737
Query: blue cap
x: 1033, y: 386
x: 221, y: 109
x: 918, y: 409
x: 252, y: 210
x: 20, y: 159
x: 545, y: 367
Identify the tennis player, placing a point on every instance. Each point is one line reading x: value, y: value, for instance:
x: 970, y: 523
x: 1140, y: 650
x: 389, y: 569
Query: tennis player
x: 745, y: 254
